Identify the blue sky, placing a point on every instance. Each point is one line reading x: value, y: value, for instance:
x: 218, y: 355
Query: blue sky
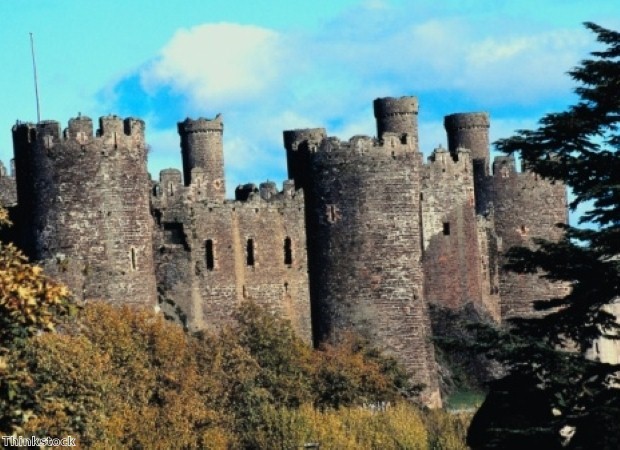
x: 270, y: 65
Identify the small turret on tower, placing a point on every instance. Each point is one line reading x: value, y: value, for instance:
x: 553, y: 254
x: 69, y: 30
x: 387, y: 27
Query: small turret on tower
x: 471, y: 131
x: 299, y: 144
x: 201, y: 147
x: 397, y: 115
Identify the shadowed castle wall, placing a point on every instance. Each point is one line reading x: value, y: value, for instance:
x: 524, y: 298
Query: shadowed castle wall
x: 453, y: 258
x: 525, y: 207
x: 85, y: 210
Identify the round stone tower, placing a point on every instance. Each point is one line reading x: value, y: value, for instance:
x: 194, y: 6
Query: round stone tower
x: 364, y: 252
x: 85, y: 206
x: 202, y: 148
x: 471, y: 131
x: 397, y: 115
x: 299, y: 144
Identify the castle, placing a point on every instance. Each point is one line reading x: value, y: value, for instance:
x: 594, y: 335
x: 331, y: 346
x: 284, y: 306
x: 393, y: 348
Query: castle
x: 364, y: 236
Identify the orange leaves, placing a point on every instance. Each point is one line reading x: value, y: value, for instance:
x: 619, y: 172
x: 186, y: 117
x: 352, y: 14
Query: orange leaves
x: 29, y: 301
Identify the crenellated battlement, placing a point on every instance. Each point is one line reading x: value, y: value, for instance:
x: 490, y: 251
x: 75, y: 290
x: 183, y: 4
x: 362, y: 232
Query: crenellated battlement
x: 202, y: 125
x: 112, y: 130
x: 441, y: 156
x: 461, y: 121
x: 391, y: 144
x: 311, y: 136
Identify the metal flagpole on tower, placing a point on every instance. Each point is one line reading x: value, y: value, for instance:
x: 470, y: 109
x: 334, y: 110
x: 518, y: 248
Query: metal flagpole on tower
x: 36, y: 84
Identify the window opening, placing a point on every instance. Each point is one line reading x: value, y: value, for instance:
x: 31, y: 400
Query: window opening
x: 209, y: 254
x: 288, y: 251
x: 134, y: 261
x: 446, y: 228
x: 250, y: 252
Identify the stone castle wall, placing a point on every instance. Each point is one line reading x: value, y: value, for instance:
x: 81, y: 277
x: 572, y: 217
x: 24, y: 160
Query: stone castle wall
x: 212, y: 256
x: 452, y: 251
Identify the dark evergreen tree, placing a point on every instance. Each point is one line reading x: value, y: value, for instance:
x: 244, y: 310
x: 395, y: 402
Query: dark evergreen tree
x: 552, y: 396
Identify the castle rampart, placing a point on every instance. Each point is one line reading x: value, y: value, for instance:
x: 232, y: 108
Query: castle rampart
x: 453, y: 259
x: 212, y: 254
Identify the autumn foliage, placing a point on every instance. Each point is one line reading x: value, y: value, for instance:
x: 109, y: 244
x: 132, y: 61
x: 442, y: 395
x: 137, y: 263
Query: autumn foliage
x: 126, y: 378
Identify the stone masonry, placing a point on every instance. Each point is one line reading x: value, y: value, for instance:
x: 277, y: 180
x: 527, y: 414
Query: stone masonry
x: 363, y: 237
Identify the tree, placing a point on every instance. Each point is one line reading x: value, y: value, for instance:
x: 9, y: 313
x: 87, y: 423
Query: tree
x: 552, y: 395
x: 30, y: 303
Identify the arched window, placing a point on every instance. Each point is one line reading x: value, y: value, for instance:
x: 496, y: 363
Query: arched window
x: 288, y: 251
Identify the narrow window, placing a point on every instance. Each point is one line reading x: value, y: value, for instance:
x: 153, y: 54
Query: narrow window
x: 209, y: 254
x: 446, y: 228
x: 134, y: 260
x: 170, y: 189
x: 288, y: 252
x: 250, y: 252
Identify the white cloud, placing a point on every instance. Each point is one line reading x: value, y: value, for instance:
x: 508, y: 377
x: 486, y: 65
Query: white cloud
x: 217, y: 62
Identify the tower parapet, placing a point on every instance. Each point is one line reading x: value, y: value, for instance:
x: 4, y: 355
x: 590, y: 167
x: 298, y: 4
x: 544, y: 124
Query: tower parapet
x: 202, y: 148
x: 299, y: 144
x: 85, y: 206
x: 397, y: 115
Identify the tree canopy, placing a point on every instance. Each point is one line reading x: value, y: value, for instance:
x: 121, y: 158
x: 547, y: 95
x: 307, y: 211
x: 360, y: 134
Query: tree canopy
x: 552, y: 395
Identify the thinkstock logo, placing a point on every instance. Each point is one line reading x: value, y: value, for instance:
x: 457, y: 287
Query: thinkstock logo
x: 33, y: 441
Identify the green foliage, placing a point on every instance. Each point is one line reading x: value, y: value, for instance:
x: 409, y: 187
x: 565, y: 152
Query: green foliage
x: 551, y: 388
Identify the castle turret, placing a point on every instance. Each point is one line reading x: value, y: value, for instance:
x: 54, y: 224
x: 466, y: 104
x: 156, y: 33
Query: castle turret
x: 471, y: 131
x: 397, y: 115
x: 299, y: 144
x: 202, y: 148
x: 85, y: 206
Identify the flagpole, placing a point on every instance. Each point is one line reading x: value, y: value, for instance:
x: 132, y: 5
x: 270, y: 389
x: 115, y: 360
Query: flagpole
x: 36, y: 83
